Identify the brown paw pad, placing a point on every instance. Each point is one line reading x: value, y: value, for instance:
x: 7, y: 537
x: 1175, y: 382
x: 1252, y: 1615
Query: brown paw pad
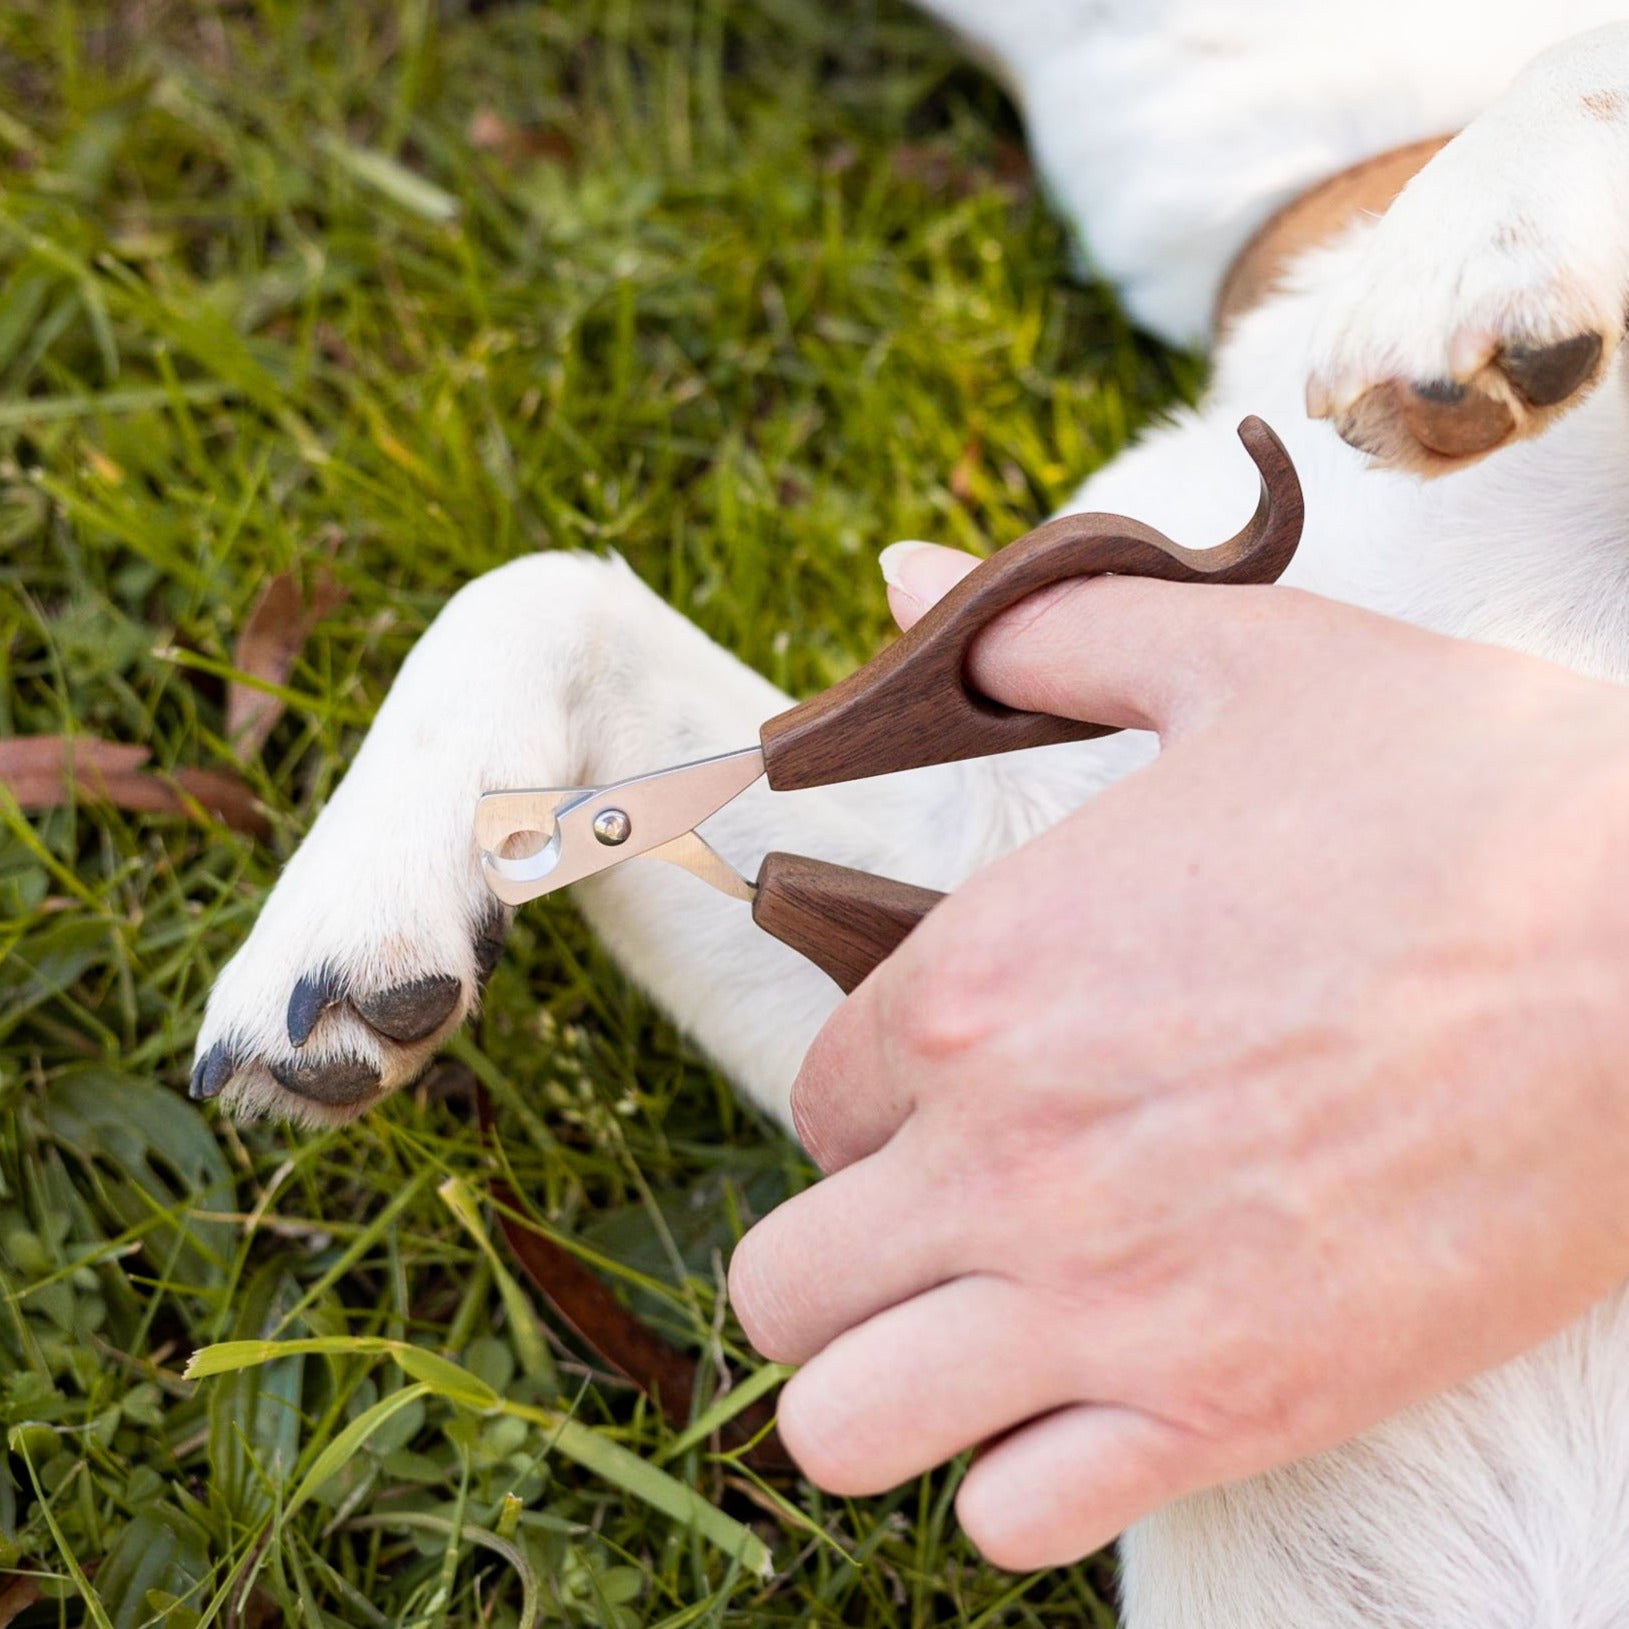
x: 1394, y: 421
x: 1435, y: 424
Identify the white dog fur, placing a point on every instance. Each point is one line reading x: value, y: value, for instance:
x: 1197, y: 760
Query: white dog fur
x: 1167, y: 132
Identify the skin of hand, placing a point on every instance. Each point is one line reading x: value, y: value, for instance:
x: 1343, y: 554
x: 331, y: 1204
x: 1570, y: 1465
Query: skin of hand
x: 1282, y: 1085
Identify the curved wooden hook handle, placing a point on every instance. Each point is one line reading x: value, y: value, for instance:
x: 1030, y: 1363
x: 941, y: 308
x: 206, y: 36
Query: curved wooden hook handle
x: 911, y: 705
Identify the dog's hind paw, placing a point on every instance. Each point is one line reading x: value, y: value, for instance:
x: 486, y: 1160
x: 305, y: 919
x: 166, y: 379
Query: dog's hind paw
x: 1433, y: 425
x: 1491, y: 296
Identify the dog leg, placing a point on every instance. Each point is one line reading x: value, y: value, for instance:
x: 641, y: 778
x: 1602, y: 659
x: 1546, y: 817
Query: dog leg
x: 1167, y: 131
x: 559, y: 669
x: 1491, y: 297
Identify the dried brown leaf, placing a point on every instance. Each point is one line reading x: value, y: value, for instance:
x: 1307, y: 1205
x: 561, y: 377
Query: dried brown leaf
x: 616, y: 1336
x: 267, y: 649
x: 938, y: 166
x: 38, y: 769
x: 222, y: 796
x: 49, y: 771
x: 16, y: 1598
x: 622, y: 1340
x: 490, y: 132
x: 600, y: 1321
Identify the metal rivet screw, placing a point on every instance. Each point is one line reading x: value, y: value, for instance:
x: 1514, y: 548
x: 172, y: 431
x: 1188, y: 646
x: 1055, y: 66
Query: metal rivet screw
x: 612, y: 826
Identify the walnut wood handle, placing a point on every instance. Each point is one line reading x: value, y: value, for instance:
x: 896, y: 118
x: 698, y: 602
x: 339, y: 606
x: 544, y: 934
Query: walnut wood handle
x: 911, y: 705
x: 843, y: 921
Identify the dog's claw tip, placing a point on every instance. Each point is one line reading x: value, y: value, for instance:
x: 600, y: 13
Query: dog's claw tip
x: 211, y: 1073
x: 312, y: 997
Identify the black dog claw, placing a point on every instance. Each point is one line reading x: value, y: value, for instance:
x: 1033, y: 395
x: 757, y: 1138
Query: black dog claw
x: 211, y: 1073
x: 403, y: 1013
x: 312, y: 997
x: 410, y: 1012
x: 489, y: 938
x: 340, y: 1081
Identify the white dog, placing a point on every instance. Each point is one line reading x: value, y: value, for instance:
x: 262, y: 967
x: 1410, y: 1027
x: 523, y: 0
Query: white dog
x: 1216, y: 155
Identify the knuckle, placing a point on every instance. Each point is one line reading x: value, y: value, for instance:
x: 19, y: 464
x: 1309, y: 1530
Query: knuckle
x: 758, y: 1295
x: 941, y: 1013
x: 1006, y: 1179
x: 1006, y: 1159
x: 1244, y: 1400
x: 811, y: 1115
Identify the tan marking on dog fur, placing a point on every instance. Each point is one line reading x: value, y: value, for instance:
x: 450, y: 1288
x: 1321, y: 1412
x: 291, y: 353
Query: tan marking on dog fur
x: 1316, y: 217
x: 1605, y: 105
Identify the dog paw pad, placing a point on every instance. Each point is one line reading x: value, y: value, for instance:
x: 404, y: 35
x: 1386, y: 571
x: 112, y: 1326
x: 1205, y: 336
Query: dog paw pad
x: 1437, y: 424
x: 1455, y: 420
x: 1548, y: 374
x: 412, y: 1011
x: 338, y: 1082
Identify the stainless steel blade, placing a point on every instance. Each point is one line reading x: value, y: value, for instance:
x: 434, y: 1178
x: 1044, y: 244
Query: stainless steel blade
x: 585, y: 829
x: 693, y: 853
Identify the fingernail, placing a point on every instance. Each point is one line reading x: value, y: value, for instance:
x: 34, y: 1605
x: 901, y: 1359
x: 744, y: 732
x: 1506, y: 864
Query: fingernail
x: 892, y: 563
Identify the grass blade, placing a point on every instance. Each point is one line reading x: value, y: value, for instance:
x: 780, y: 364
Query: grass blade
x: 613, y: 1463
x: 444, y: 1377
x: 349, y: 1441
x: 596, y: 1453
x: 727, y: 1407
x: 394, y: 180
x: 527, y: 1334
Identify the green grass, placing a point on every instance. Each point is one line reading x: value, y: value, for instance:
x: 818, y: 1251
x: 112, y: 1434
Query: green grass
x: 757, y: 294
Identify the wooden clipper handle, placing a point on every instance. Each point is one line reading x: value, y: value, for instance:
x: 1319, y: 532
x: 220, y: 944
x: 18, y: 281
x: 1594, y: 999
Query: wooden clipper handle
x: 844, y: 921
x: 911, y: 705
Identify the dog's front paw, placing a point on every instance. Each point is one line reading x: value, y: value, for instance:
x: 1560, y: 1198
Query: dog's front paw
x: 354, y: 974
x: 1490, y: 297
x: 375, y: 943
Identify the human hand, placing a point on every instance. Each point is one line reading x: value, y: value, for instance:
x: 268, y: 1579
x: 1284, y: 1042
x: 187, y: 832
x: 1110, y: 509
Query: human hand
x: 1284, y: 1084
